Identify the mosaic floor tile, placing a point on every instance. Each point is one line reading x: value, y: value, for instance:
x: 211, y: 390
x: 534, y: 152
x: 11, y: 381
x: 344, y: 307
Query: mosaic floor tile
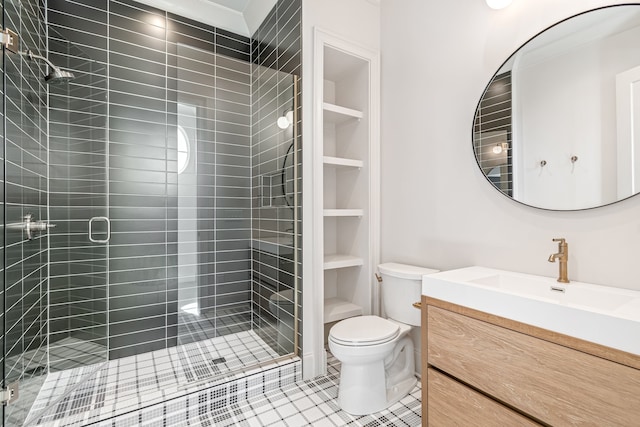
x: 308, y: 403
x: 135, y: 382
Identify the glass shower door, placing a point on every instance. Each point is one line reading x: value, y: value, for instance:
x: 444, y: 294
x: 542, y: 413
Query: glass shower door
x: 24, y: 134
x: 78, y: 206
x: 61, y: 181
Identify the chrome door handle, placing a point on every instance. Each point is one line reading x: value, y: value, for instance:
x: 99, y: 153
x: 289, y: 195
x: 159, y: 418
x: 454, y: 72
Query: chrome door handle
x: 99, y: 218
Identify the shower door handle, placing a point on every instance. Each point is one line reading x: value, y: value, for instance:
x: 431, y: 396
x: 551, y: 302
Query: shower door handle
x: 99, y: 218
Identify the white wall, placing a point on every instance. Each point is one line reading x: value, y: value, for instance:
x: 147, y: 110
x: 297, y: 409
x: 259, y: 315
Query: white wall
x: 566, y: 106
x: 359, y: 22
x: 437, y: 208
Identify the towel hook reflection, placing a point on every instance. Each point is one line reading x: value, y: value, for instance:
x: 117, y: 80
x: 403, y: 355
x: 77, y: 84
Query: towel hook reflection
x: 573, y: 159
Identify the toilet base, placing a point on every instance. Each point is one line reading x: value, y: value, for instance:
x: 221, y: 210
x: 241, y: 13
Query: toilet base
x: 394, y: 394
x: 371, y: 383
x: 362, y: 388
x: 364, y: 397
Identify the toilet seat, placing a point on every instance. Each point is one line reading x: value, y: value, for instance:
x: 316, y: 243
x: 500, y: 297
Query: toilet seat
x: 364, y: 331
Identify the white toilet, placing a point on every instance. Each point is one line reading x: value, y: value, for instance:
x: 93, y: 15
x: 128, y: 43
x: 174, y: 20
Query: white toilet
x: 378, y: 367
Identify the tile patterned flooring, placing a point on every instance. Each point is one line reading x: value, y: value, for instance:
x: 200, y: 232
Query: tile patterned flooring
x: 128, y: 384
x: 297, y: 404
x: 151, y: 391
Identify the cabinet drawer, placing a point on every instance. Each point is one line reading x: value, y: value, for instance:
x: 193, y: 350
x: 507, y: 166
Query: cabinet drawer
x: 551, y: 383
x: 452, y: 403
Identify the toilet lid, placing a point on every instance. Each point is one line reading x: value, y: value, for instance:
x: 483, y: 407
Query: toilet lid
x: 364, y: 330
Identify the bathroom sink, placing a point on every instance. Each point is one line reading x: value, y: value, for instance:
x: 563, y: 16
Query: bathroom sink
x: 600, y: 314
x: 547, y: 289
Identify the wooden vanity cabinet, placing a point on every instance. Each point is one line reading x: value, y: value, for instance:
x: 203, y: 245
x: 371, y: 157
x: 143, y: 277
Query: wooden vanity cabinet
x: 484, y: 370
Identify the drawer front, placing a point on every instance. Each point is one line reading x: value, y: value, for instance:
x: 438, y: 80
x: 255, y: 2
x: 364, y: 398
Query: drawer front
x: 452, y: 403
x: 551, y: 383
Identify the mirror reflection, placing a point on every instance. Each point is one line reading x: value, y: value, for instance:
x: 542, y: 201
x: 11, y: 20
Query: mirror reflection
x: 554, y: 128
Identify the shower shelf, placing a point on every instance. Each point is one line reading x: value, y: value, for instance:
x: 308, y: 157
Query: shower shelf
x: 336, y: 309
x: 332, y: 262
x: 343, y: 212
x: 337, y: 114
x: 342, y: 162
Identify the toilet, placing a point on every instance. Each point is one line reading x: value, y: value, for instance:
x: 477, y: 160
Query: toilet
x: 378, y: 367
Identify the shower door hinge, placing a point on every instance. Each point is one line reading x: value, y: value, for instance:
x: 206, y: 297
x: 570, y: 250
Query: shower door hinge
x: 10, y: 40
x: 10, y: 394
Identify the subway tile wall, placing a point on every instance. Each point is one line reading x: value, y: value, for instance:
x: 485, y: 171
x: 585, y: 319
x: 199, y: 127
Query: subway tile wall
x: 78, y: 187
x: 24, y: 128
x: 147, y: 79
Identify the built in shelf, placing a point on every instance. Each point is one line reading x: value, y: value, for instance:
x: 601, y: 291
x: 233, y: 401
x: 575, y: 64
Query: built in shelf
x: 343, y: 212
x: 337, y: 114
x: 342, y: 162
x: 332, y: 262
x: 336, y: 309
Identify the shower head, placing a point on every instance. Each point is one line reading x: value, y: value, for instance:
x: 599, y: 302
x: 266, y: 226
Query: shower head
x: 56, y: 75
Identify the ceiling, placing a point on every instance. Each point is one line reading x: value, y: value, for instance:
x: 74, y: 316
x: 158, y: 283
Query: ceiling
x: 239, y: 16
x: 237, y: 5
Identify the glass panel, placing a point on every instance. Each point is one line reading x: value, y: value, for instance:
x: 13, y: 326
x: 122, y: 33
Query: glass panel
x: 74, y: 322
x: 2, y: 222
x: 273, y: 241
x: 25, y: 191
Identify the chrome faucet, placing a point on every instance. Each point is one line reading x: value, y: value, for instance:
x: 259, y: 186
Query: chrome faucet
x: 30, y: 226
x: 563, y: 257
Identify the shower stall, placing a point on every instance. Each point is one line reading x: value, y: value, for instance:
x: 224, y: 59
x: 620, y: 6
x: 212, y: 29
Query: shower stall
x: 151, y: 206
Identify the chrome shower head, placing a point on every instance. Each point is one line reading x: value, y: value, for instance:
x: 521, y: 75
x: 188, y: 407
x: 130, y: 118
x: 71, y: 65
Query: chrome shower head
x: 56, y: 75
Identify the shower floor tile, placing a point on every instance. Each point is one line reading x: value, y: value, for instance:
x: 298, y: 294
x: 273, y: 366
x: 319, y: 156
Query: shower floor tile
x: 128, y: 384
x: 308, y: 403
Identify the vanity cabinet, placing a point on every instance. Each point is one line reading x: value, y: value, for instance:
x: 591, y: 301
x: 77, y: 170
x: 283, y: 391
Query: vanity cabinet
x: 452, y: 403
x: 487, y: 370
x: 346, y: 175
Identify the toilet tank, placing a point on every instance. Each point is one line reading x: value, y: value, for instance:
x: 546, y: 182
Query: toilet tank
x: 402, y: 286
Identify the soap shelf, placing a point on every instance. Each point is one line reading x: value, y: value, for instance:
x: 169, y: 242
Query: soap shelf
x: 336, y: 309
x: 342, y: 162
x: 343, y: 212
x: 336, y: 114
x: 332, y: 262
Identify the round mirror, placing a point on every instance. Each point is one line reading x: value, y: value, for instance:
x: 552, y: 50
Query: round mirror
x: 554, y: 128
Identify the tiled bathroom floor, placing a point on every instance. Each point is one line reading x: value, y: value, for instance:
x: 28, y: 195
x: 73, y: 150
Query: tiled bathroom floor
x: 314, y: 403
x: 124, y: 385
x: 309, y: 403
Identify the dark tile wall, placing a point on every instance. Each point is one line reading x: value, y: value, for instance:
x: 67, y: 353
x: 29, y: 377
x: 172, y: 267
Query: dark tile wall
x: 25, y: 191
x: 78, y: 188
x: 175, y: 238
x: 276, y: 53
